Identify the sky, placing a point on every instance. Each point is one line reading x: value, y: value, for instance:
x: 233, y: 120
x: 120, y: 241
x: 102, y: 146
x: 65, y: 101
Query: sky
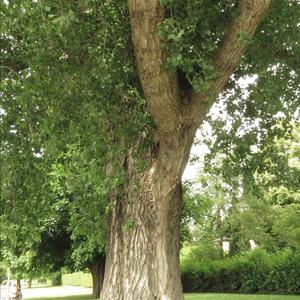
x: 192, y: 169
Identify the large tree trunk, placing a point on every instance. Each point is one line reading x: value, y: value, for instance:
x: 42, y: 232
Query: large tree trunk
x: 143, y: 246
x: 97, y: 271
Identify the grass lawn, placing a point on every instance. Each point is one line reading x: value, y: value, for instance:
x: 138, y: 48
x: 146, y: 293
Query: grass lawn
x: 192, y: 297
x: 238, y: 297
x: 80, y: 297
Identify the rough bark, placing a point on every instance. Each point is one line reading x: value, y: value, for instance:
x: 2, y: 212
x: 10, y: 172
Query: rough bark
x: 97, y: 270
x: 143, y: 245
x: 143, y: 237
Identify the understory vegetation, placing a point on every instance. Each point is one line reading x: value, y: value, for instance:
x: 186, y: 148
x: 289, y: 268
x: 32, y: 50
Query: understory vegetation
x: 252, y: 272
x: 249, y: 273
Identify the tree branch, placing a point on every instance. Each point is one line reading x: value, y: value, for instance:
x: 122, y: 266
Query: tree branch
x: 160, y: 86
x: 10, y: 69
x: 229, y: 56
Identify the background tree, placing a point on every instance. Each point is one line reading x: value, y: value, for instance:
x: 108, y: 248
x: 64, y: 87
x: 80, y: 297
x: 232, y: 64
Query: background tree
x: 86, y: 205
x: 263, y: 210
x: 34, y: 62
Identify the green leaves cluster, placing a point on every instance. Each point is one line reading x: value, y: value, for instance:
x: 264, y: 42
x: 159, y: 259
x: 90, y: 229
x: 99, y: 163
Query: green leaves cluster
x: 254, y: 196
x: 251, y: 272
x: 192, y: 33
x: 71, y: 105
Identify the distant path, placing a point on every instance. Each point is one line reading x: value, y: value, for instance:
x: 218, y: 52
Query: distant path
x: 61, y: 291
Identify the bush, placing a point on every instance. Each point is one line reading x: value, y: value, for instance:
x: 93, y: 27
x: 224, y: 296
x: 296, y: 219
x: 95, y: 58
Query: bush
x: 251, y: 272
x: 204, y: 252
x: 56, y: 279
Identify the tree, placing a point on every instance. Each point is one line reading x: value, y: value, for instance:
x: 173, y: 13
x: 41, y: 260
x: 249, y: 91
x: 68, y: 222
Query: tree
x: 281, y: 187
x: 227, y: 215
x: 257, y: 187
x: 40, y: 116
x: 156, y: 210
x: 85, y: 202
x: 62, y: 237
x: 187, y: 54
x: 154, y: 240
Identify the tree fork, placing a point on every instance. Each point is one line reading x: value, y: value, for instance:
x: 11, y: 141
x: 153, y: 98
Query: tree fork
x: 143, y: 245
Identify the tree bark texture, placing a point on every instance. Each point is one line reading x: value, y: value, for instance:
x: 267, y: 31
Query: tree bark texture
x: 97, y: 270
x: 143, y: 245
x: 143, y: 237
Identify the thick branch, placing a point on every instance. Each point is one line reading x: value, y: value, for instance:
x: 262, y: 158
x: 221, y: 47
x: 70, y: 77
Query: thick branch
x: 229, y: 56
x: 160, y: 86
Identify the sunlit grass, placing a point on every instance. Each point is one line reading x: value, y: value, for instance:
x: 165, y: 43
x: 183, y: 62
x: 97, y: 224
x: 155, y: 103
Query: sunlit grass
x: 80, y: 297
x: 238, y: 297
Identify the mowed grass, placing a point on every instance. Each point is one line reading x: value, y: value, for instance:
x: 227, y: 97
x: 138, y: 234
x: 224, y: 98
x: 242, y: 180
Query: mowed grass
x: 192, y: 297
x: 238, y: 297
x: 80, y: 297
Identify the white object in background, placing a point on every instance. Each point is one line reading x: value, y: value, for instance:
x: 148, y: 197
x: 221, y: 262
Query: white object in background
x: 253, y: 245
x: 226, y: 247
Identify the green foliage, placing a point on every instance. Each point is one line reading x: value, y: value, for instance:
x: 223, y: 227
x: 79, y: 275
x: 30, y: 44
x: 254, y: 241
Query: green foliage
x: 128, y: 225
x: 67, y: 69
x: 251, y: 194
x: 202, y: 252
x: 244, y: 38
x: 192, y: 33
x: 56, y: 279
x: 196, y: 206
x: 250, y: 272
x: 75, y: 179
x: 286, y: 225
x: 264, y: 209
x: 2, y: 273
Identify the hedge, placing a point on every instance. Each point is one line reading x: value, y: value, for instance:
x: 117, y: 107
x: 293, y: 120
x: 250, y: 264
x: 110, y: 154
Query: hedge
x: 252, y: 272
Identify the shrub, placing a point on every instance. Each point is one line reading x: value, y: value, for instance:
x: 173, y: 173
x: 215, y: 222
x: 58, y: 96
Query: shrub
x: 56, y: 279
x: 251, y: 272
